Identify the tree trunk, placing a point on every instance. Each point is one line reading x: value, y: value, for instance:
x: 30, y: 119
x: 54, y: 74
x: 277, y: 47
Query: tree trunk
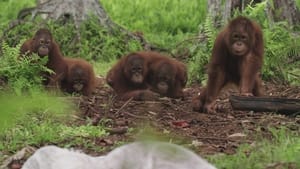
x: 215, y: 11
x: 222, y: 10
x: 282, y: 10
x: 78, y: 11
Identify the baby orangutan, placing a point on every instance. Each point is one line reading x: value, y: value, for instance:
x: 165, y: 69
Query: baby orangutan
x: 128, y: 78
x: 80, y: 77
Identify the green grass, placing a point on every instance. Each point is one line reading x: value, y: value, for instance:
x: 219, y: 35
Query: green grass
x: 283, y: 148
x: 40, y: 129
x: 39, y: 118
x: 9, y: 10
x: 15, y: 107
x: 101, y: 68
x: 170, y: 19
x: 298, y: 3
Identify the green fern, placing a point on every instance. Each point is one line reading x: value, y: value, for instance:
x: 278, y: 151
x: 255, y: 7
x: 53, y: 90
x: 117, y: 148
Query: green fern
x: 210, y: 31
x: 21, y: 73
x: 201, y: 52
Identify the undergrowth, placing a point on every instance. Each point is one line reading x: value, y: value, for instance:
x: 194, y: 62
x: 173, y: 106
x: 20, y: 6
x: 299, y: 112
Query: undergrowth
x: 21, y: 74
x: 47, y: 128
x: 32, y: 116
x: 165, y: 25
x: 162, y: 22
x: 95, y: 44
x: 283, y: 151
x: 22, y: 92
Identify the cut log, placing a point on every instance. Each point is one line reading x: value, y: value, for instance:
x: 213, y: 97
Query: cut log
x: 266, y: 104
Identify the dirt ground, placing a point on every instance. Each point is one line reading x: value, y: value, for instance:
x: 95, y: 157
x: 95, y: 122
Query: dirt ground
x: 172, y: 119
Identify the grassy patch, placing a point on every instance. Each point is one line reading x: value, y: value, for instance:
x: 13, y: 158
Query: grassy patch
x: 101, y: 68
x: 30, y: 116
x: 282, y: 150
x: 39, y: 129
x: 15, y: 107
x: 156, y: 19
x: 10, y: 8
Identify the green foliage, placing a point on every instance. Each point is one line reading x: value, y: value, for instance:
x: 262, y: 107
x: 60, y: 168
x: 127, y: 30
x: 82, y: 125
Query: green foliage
x: 99, y: 44
x: 15, y: 107
x: 22, y: 74
x: 257, y: 13
x: 284, y: 148
x: 169, y: 19
x: 94, y: 43
x: 298, y: 3
x: 161, y: 16
x: 9, y: 10
x: 196, y: 64
x: 20, y: 34
x: 281, y: 47
x: 22, y: 91
x: 44, y: 129
x: 164, y: 23
x: 201, y: 52
x: 279, y: 56
x: 102, y: 67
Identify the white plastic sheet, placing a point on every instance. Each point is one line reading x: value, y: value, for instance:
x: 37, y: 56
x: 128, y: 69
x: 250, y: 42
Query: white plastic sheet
x: 138, y: 155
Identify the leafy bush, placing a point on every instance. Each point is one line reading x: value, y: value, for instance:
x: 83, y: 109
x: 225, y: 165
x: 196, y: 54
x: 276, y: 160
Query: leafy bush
x: 94, y: 43
x: 100, y: 45
x: 164, y: 24
x: 201, y: 52
x: 281, y: 47
x: 23, y: 92
x: 279, y: 56
x: 22, y: 74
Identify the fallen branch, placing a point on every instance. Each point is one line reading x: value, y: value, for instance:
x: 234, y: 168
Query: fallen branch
x: 266, y: 104
x: 124, y: 105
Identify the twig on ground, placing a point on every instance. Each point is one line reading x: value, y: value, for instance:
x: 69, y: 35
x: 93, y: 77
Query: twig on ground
x: 124, y: 105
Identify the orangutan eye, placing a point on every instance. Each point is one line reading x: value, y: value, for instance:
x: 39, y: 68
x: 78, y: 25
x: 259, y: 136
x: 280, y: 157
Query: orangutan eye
x: 47, y: 42
x: 42, y: 41
x: 235, y: 36
x: 243, y: 38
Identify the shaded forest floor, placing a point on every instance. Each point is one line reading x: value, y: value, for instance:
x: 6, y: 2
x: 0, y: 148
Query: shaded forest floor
x: 174, y: 120
x: 221, y: 132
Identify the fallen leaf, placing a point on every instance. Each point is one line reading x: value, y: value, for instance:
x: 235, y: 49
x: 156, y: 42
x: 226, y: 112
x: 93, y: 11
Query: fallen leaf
x: 237, y: 135
x: 181, y: 123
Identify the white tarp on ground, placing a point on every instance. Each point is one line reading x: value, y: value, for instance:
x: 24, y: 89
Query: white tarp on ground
x: 138, y: 155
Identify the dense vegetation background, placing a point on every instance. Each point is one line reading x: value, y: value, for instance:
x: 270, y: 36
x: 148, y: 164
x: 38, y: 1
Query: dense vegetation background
x: 178, y: 27
x: 175, y: 26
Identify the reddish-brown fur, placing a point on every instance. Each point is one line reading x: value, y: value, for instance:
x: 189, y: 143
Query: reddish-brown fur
x: 237, y: 57
x: 121, y: 78
x: 43, y: 44
x: 80, y: 77
x: 166, y: 76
